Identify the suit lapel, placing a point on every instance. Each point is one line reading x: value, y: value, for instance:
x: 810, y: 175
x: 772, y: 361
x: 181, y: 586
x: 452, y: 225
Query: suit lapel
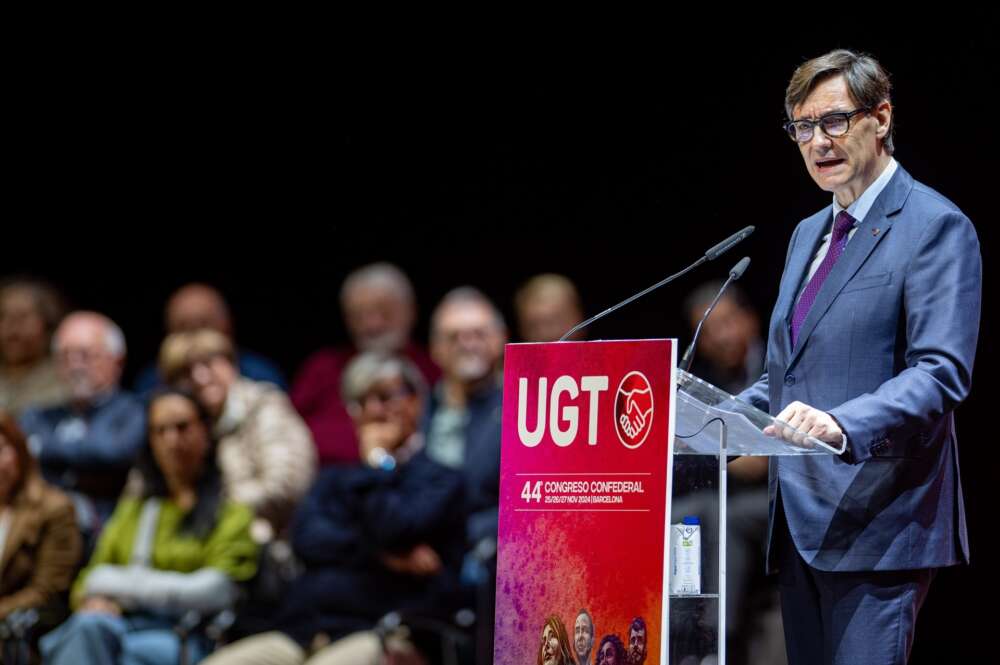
x: 858, y: 249
x: 798, y: 265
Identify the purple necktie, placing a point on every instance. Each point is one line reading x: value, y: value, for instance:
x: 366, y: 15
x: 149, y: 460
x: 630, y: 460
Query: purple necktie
x: 838, y: 241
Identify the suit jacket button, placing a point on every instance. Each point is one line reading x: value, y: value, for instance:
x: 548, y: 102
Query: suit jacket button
x: 789, y: 379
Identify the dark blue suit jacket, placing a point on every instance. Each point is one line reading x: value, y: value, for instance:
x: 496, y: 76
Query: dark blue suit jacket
x: 887, y: 349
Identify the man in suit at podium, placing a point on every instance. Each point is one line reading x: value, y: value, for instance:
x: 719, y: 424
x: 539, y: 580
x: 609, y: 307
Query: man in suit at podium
x: 871, y: 346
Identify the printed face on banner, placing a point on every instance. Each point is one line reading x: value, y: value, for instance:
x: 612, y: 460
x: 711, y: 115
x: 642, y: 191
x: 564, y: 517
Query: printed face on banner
x: 584, y: 474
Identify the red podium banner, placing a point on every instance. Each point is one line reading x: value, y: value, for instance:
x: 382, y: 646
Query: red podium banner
x: 584, y: 489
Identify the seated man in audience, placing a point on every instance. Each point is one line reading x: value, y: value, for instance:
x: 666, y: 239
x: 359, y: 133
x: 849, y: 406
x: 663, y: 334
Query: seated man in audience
x: 379, y: 311
x: 29, y: 314
x: 380, y: 535
x: 463, y: 418
x: 195, y: 306
x: 730, y: 351
x: 462, y: 429
x: 87, y: 444
x: 548, y: 306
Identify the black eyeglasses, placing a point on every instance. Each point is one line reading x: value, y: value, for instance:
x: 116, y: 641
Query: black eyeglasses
x: 832, y: 124
x: 385, y: 398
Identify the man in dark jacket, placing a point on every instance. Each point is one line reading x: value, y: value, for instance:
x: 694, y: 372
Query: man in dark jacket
x: 381, y: 535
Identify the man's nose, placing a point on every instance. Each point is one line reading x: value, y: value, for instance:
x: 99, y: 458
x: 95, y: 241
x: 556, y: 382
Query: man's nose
x: 372, y: 320
x: 373, y: 405
x: 819, y: 140
x: 468, y: 337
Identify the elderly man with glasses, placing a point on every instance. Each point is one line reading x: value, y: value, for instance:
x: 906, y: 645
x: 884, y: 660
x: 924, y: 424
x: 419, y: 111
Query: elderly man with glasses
x: 86, y: 445
x: 871, y: 347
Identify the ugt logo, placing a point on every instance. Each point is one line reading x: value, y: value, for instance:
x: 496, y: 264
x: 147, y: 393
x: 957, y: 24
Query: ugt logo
x: 633, y: 410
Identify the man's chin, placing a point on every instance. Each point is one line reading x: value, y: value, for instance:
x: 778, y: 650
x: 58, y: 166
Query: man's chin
x: 82, y: 393
x: 472, y: 371
x: 832, y: 182
x: 824, y: 184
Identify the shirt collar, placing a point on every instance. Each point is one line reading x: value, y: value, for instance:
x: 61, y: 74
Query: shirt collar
x: 859, y: 209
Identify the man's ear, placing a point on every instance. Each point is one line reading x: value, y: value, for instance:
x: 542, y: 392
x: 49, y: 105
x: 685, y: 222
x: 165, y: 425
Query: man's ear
x: 883, y: 114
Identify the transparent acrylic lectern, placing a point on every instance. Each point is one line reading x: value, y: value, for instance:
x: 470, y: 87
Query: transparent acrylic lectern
x: 713, y: 427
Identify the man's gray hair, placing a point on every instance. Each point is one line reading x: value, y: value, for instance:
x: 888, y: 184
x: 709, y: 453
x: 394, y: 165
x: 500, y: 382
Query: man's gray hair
x: 370, y: 367
x: 114, y: 338
x: 464, y: 295
x: 383, y: 274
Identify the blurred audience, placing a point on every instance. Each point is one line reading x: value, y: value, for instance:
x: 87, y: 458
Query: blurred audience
x: 463, y: 417
x: 87, y: 444
x: 178, y: 546
x: 407, y: 519
x: 265, y: 452
x: 196, y: 306
x: 547, y: 307
x: 379, y: 311
x: 462, y: 428
x: 30, y: 310
x: 382, y: 534
x: 39, y: 541
x: 730, y: 351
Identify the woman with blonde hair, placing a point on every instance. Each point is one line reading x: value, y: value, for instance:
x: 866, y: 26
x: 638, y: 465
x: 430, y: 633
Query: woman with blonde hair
x: 265, y: 451
x: 554, y: 649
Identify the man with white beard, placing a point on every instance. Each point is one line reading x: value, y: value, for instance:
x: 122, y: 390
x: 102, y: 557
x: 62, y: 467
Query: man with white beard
x: 461, y: 427
x: 87, y: 445
x: 379, y: 309
x: 462, y: 423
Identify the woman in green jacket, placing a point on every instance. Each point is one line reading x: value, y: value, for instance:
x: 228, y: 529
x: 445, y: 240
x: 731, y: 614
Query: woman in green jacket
x: 179, y: 546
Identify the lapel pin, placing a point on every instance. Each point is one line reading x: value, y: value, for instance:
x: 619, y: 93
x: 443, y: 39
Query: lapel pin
x: 875, y: 232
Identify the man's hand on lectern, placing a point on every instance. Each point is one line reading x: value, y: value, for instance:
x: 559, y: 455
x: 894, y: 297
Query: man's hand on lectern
x: 808, y: 421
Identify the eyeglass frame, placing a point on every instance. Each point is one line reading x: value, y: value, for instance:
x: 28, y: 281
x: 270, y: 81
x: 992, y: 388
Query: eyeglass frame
x: 818, y: 122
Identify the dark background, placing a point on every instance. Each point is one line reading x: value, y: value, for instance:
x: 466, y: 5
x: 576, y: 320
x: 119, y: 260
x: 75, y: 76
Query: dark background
x: 272, y: 169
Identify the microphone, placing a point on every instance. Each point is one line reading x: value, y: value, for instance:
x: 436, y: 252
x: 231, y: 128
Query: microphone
x: 712, y: 254
x: 739, y: 268
x: 734, y: 275
x: 728, y: 244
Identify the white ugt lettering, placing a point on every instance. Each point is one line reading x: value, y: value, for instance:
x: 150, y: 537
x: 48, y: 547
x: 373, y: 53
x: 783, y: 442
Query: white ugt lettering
x: 531, y: 438
x: 593, y: 385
